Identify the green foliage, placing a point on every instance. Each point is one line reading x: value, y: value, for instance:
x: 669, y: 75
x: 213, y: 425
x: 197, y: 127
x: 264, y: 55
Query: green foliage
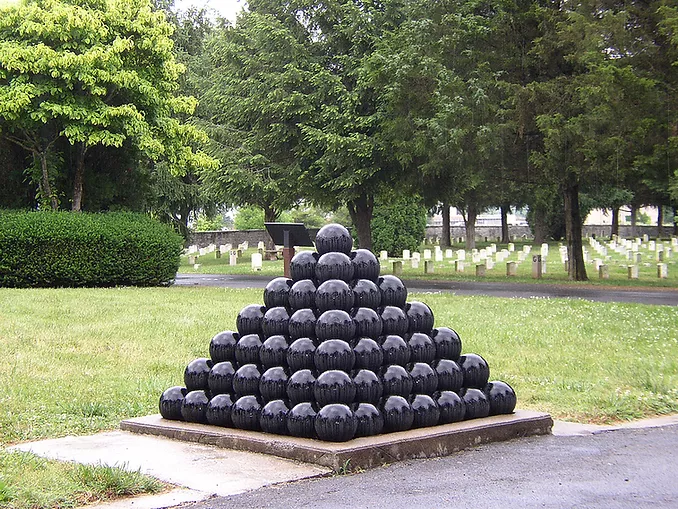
x: 93, y: 74
x: 397, y: 224
x: 249, y: 218
x: 206, y: 222
x: 42, y: 249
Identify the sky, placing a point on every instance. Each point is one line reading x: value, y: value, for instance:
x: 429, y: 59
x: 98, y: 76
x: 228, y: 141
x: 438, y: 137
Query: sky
x: 227, y: 8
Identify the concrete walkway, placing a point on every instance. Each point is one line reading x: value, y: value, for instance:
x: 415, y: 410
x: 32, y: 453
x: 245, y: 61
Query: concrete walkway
x: 201, y: 472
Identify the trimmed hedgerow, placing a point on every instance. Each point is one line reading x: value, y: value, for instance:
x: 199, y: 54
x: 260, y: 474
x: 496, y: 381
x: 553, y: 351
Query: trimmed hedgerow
x: 56, y: 249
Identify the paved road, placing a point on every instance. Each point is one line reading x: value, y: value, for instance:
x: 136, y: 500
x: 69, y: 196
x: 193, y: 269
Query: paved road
x: 667, y: 297
x: 617, y: 469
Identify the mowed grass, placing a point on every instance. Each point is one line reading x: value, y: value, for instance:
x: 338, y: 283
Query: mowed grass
x: 76, y: 361
x: 445, y: 270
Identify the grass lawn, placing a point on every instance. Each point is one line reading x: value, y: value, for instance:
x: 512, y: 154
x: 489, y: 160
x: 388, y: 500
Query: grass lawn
x: 445, y: 270
x: 76, y: 361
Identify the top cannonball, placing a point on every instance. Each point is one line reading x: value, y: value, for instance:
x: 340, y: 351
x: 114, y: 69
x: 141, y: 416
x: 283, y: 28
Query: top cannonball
x: 333, y: 237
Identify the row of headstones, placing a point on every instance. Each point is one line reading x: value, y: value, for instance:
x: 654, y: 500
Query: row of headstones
x: 630, y: 250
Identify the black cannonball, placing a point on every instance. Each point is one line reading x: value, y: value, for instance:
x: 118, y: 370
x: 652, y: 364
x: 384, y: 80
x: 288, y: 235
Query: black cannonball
x: 334, y: 294
x: 222, y: 346
x: 475, y: 369
x: 422, y: 347
x: 394, y: 320
x: 452, y: 407
x: 196, y: 374
x: 219, y: 410
x: 301, y: 355
x: 365, y: 265
x: 277, y: 292
x: 273, y: 418
x: 302, y: 265
x: 424, y: 378
x: 448, y: 343
x: 368, y: 386
x: 246, y: 413
x: 302, y: 324
x: 194, y: 406
x: 301, y: 419
x: 301, y: 386
x: 396, y: 381
x: 476, y: 403
x: 368, y: 354
x: 450, y: 375
x: 220, y: 378
x: 426, y: 411
x: 366, y: 294
x: 397, y: 413
x: 395, y: 350
x: 276, y: 321
x: 393, y: 291
x: 367, y: 323
x: 170, y: 403
x: 302, y: 294
x: 335, y: 423
x: 246, y: 380
x: 334, y: 354
x: 333, y: 238
x: 335, y: 324
x: 247, y: 349
x: 273, y: 384
x: 333, y: 266
x: 420, y: 317
x: 250, y: 318
x: 369, y: 418
x: 502, y: 397
x: 334, y: 386
x: 273, y: 351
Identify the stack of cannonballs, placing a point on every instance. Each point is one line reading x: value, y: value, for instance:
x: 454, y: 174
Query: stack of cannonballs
x: 336, y: 352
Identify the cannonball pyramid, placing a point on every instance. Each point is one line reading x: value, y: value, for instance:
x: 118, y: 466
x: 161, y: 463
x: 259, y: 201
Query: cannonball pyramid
x: 336, y: 352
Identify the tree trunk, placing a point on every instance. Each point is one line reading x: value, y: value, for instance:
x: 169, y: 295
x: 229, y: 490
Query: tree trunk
x: 634, y: 219
x: 360, y: 210
x: 660, y: 221
x: 576, y: 268
x: 505, y: 236
x: 46, y: 186
x: 470, y: 223
x: 675, y: 220
x: 539, y: 225
x: 270, y: 216
x: 615, y: 222
x: 79, y: 178
x: 445, y: 240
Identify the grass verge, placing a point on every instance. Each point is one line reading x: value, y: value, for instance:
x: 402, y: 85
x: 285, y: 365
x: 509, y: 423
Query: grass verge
x: 28, y: 482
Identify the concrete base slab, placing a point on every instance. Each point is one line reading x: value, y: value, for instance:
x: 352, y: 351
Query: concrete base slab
x: 203, y: 469
x: 363, y: 452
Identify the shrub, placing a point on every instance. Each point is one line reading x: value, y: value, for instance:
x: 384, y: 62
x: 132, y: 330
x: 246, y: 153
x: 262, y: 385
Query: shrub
x: 398, y: 223
x: 53, y: 249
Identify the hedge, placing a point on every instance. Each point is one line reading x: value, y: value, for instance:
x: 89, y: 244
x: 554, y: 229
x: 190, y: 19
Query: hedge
x: 57, y: 249
x: 399, y: 222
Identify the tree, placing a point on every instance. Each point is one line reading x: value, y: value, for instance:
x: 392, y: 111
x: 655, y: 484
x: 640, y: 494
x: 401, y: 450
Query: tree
x: 92, y: 73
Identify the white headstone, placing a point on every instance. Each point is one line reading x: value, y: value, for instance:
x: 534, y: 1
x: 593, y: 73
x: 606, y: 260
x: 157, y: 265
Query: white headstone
x: 383, y: 255
x: 634, y: 248
x: 234, y: 257
x: 459, y: 265
x: 416, y: 256
x: 544, y: 250
x: 449, y: 253
x: 662, y: 270
x: 511, y: 247
x: 261, y: 245
x: 257, y: 261
x: 461, y: 255
x: 406, y: 254
x: 203, y: 251
x: 192, y: 249
x: 489, y: 264
x: 427, y: 254
x: 439, y: 255
x: 646, y: 238
x: 633, y: 271
x: 224, y: 249
x: 527, y: 249
x: 415, y: 262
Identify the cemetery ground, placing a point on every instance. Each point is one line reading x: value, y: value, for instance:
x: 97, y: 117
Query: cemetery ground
x: 77, y: 361
x: 494, y: 257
